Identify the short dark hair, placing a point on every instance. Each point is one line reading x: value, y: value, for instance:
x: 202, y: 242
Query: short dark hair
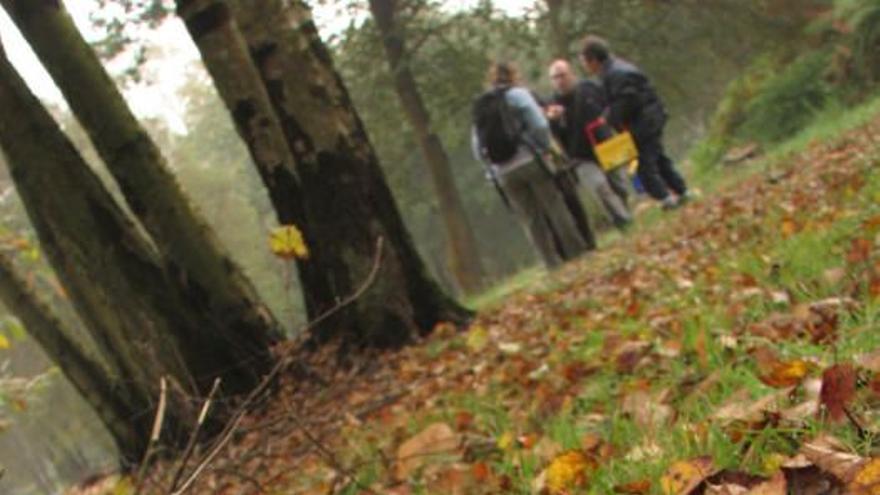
x: 595, y: 48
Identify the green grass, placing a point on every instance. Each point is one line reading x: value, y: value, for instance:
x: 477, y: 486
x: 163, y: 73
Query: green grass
x: 797, y: 264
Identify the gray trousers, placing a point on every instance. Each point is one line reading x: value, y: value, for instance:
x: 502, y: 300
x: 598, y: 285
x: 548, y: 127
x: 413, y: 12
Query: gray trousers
x: 609, y: 188
x: 540, y: 207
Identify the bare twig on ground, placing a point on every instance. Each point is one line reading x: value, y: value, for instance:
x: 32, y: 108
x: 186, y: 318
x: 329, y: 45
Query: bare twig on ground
x: 191, y: 443
x: 154, y: 435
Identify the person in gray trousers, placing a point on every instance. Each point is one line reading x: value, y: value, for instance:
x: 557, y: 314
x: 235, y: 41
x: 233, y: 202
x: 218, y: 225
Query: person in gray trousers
x: 524, y: 179
x: 573, y: 107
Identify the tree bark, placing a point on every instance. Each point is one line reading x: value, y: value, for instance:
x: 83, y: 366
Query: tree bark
x: 328, y: 181
x: 464, y: 255
x: 212, y: 284
x: 559, y: 37
x: 118, y: 284
x: 123, y: 420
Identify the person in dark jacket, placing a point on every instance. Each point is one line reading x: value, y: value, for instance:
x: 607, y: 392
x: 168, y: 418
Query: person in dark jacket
x: 633, y: 104
x: 574, y: 105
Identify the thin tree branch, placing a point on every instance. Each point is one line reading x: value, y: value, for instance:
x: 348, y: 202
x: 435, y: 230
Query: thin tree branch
x: 190, y: 446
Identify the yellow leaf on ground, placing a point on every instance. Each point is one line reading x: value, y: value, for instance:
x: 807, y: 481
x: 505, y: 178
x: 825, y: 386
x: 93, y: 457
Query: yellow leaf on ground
x: 683, y: 476
x: 477, y: 338
x: 506, y: 441
x: 4, y: 342
x: 567, y: 471
x: 867, y: 480
x: 287, y: 242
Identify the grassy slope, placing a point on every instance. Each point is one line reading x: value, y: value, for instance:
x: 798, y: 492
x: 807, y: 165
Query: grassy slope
x: 684, y: 297
x: 646, y: 353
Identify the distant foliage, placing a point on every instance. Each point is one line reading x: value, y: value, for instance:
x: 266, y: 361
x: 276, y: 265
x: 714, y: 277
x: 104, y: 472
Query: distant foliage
x: 787, y: 103
x: 862, y: 19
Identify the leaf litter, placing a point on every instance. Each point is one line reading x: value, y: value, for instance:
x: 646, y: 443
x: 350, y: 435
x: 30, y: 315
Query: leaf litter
x: 672, y: 362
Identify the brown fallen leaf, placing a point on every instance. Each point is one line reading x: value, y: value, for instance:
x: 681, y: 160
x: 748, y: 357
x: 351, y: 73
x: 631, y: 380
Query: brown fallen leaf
x: 777, y: 485
x: 777, y: 373
x: 740, y: 407
x: 860, y: 251
x: 640, y: 487
x: 838, y: 390
x: 435, y: 440
x: 646, y: 410
x: 830, y: 455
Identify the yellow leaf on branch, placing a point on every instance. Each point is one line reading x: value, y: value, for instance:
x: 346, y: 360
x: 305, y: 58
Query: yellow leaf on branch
x: 287, y: 242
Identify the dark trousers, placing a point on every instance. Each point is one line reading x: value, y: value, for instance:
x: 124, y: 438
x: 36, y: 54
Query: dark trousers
x: 656, y: 170
x: 566, y: 184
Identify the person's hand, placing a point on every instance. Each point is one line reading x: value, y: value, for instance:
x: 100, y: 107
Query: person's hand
x: 554, y: 112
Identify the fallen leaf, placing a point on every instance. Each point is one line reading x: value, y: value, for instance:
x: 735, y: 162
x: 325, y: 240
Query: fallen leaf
x: 838, y: 390
x: 567, y: 471
x: 477, y: 338
x: 777, y: 485
x: 463, y: 420
x: 867, y: 480
x: 834, y: 276
x: 640, y: 487
x: 777, y: 373
x: 684, y: 476
x: 860, y: 251
x: 436, y: 440
x: 789, y: 227
x: 829, y: 454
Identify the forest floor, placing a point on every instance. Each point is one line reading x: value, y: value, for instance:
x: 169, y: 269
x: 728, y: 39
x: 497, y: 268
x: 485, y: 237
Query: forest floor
x: 730, y: 347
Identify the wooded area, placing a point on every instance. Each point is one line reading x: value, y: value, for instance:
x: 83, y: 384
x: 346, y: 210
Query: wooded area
x: 135, y: 272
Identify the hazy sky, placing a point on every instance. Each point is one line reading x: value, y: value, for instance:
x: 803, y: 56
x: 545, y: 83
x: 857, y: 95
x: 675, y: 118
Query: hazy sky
x: 157, y: 97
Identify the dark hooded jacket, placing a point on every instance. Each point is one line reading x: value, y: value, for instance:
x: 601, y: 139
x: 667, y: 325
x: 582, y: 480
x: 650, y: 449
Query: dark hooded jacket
x: 633, y: 102
x: 582, y: 106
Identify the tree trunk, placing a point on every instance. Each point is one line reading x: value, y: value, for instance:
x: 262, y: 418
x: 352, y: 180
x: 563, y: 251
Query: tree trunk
x: 464, y: 255
x: 559, y: 38
x: 116, y: 281
x: 328, y: 181
x: 212, y: 284
x: 123, y: 420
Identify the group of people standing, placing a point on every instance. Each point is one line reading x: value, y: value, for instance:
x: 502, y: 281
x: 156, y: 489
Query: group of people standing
x: 536, y: 150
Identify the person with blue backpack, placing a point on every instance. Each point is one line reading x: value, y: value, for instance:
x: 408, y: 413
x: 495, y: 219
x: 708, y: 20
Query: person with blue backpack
x: 511, y: 136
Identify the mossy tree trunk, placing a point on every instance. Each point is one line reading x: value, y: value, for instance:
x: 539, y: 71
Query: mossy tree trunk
x: 120, y: 413
x: 328, y: 181
x: 128, y: 298
x: 213, y: 286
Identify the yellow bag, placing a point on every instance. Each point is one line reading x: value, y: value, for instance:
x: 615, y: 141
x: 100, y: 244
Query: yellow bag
x: 614, y: 152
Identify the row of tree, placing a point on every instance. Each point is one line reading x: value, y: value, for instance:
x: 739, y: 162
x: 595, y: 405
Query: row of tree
x: 157, y: 292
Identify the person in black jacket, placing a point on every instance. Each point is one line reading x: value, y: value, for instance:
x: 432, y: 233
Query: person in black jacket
x: 633, y: 104
x: 574, y: 105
